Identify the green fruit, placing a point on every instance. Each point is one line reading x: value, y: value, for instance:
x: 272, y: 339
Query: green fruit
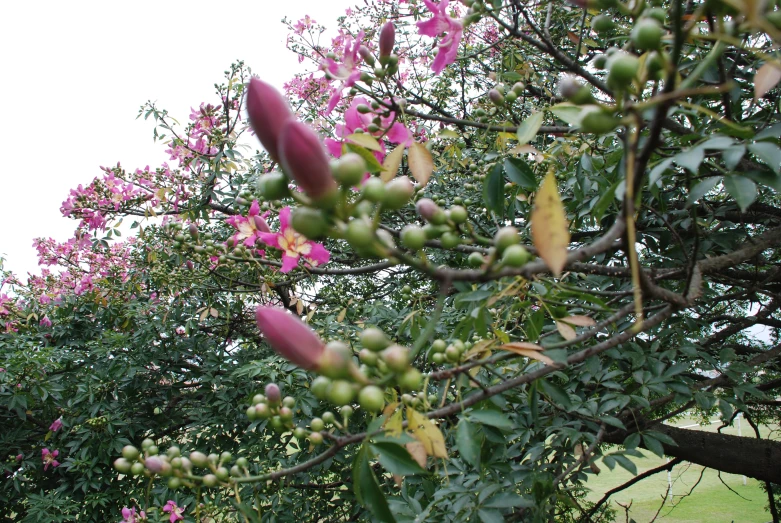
x: 320, y: 387
x: 210, y: 480
x: 396, y: 358
x: 328, y: 417
x: 242, y: 463
x: 373, y: 189
x: 374, y: 339
x: 452, y: 354
x: 476, y: 260
x: 273, y: 186
x: 336, y: 359
x: 657, y: 13
x: 450, y: 240
x: 222, y: 473
x: 458, y: 214
x: 622, y: 69
x: 286, y: 414
x: 309, y: 222
x: 199, y: 459
x: 346, y: 411
x: 289, y: 402
x: 368, y: 357
x: 122, y: 465
x: 647, y: 34
x: 173, y: 452
x: 505, y: 237
x: 341, y: 392
x: 438, y: 346
x: 147, y: 443
x: 137, y: 468
x: 774, y: 18
x: 433, y: 231
x: 130, y: 453
x: 360, y: 234
x: 397, y: 193
x: 602, y: 24
x: 262, y: 411
x: 299, y: 433
x: 597, y: 120
x: 371, y: 398
x: 174, y: 483
x: 413, y: 237
x: 277, y: 425
x: 349, y: 169
x: 438, y: 358
x: 315, y: 438
x: 411, y: 380
x: 515, y: 256
x: 153, y: 450
x: 600, y: 61
x: 235, y: 471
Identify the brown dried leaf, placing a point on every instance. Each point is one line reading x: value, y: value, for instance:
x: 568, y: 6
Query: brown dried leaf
x: 423, y: 429
x: 579, y: 320
x: 420, y: 163
x: 550, y: 232
x: 530, y: 350
x: 766, y: 78
x: 418, y: 452
x: 566, y: 331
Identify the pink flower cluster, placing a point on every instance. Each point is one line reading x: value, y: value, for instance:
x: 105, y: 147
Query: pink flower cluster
x: 442, y: 24
x: 199, y: 140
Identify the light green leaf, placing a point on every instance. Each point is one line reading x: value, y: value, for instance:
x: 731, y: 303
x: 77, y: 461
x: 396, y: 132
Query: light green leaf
x: 742, y: 189
x: 690, y: 159
x: 701, y: 189
x: 529, y: 127
x: 733, y: 155
x: 567, y: 112
x: 769, y: 153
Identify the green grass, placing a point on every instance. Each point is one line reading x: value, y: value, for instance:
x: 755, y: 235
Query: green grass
x: 710, y: 501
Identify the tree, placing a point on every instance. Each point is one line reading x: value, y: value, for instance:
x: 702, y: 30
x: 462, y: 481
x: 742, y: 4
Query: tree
x: 524, y: 251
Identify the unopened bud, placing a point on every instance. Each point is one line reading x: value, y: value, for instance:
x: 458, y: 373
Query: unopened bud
x: 303, y: 157
x: 496, y: 97
x: 290, y: 337
x: 387, y: 40
x: 154, y: 464
x: 268, y: 112
x: 366, y: 55
x: 273, y: 394
x: 430, y: 211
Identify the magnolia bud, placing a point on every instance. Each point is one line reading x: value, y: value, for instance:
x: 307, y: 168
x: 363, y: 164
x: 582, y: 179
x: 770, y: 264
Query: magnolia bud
x: 268, y: 112
x: 290, y: 337
x: 387, y: 39
x: 303, y: 157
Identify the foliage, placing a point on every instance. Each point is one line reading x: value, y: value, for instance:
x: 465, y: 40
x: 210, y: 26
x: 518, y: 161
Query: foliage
x: 563, y: 243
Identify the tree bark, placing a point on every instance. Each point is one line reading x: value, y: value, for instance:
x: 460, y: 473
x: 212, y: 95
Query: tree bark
x: 755, y: 458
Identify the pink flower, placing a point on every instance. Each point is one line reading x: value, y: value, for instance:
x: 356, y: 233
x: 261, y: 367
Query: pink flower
x: 176, y: 511
x: 45, y: 322
x: 347, y: 71
x: 293, y: 245
x: 268, y: 112
x: 442, y: 23
x: 129, y: 516
x: 290, y: 337
x: 303, y: 157
x: 249, y: 227
x: 49, y: 458
x: 394, y: 132
x: 56, y: 425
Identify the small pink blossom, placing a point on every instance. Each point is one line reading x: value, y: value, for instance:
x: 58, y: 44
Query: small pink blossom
x: 347, y: 72
x: 49, y: 458
x: 174, y: 510
x: 45, y: 322
x: 391, y: 130
x: 293, y: 245
x: 129, y: 516
x: 249, y: 227
x: 442, y: 23
x: 56, y: 425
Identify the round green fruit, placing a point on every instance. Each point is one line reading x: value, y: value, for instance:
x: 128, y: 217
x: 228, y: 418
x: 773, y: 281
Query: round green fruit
x: 371, y: 398
x: 222, y: 473
x: 335, y: 361
x: 315, y: 438
x: 396, y: 358
x: 411, y: 380
x: 273, y: 186
x: 438, y: 358
x: 341, y: 392
x: 458, y: 214
x: 137, y: 469
x: 262, y: 411
x: 147, y: 443
x: 328, y: 417
x: 309, y: 222
x: 299, y: 433
x: 210, y: 480
x: 647, y: 34
x: 374, y: 339
x: 438, y: 346
x: 505, y: 237
x: 373, y: 189
x: 242, y: 463
x: 476, y: 260
x: 360, y: 234
x: 602, y: 24
x: 199, y: 459
x: 413, y: 237
x: 368, y: 357
x: 515, y: 256
x: 130, y: 453
x: 174, y: 483
x: 397, y: 193
x: 122, y: 465
x: 349, y: 169
x: 622, y: 69
x: 317, y: 424
x: 320, y: 387
x: 450, y: 240
x: 452, y: 354
x: 289, y: 402
x: 597, y: 120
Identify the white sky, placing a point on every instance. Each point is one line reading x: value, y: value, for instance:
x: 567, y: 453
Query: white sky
x: 76, y: 73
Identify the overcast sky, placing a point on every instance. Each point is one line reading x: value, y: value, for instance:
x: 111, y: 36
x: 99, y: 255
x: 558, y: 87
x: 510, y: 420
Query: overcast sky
x: 75, y: 74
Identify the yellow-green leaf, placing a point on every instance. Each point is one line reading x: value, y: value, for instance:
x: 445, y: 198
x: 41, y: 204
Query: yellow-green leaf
x: 550, y: 233
x: 391, y: 163
x: 365, y: 140
x: 420, y: 163
x: 423, y: 429
x: 529, y: 127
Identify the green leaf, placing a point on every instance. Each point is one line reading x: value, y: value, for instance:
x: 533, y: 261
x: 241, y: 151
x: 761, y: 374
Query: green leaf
x: 493, y: 190
x: 468, y: 442
x: 519, y: 172
x: 718, y: 143
x: 492, y: 418
x: 367, y: 489
x: 529, y: 127
x: 733, y: 155
x: 632, y: 441
x: 567, y: 112
x: 505, y: 500
x: 690, y: 159
x: 658, y: 170
x: 742, y: 189
x: 769, y: 153
x: 626, y: 463
x: 556, y: 393
x: 654, y: 445
x: 490, y: 516
x: 372, y: 165
x: 701, y: 189
x: 396, y: 459
x: 604, y: 202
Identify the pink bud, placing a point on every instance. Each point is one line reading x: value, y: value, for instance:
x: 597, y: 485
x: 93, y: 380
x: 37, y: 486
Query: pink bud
x: 303, y: 157
x: 19, y: 457
x: 366, y: 55
x: 154, y: 464
x: 268, y: 112
x: 427, y: 209
x: 387, y: 39
x: 290, y: 337
x: 273, y: 394
x: 260, y: 224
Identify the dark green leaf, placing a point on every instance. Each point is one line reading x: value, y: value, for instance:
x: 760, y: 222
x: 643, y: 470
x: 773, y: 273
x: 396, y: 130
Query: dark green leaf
x: 519, y: 172
x: 556, y: 393
x: 492, y: 418
x: 468, y: 442
x: 396, y: 459
x: 493, y: 190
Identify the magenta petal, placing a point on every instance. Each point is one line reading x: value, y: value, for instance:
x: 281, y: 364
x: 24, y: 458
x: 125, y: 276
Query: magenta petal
x: 398, y: 133
x: 254, y: 209
x: 334, y: 147
x: 289, y: 263
x: 319, y: 255
x: 334, y: 100
x: 284, y: 219
x: 270, y: 238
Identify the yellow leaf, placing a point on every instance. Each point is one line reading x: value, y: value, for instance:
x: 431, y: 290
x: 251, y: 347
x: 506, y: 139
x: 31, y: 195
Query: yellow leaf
x: 365, y: 140
x: 766, y: 78
x: 299, y: 307
x: 566, y: 331
x: 393, y: 424
x: 391, y: 163
x: 418, y: 452
x: 423, y: 429
x: 580, y: 321
x: 550, y: 234
x: 530, y: 350
x: 420, y: 163
x: 341, y: 316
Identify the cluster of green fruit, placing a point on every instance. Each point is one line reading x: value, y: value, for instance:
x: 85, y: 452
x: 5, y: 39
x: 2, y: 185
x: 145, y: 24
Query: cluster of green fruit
x: 179, y: 469
x: 271, y: 406
x: 502, y: 96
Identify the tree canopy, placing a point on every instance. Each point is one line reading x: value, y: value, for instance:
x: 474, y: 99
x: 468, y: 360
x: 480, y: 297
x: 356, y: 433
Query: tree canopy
x: 484, y: 245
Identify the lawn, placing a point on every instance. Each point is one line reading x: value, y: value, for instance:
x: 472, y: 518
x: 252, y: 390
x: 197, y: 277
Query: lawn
x: 711, y: 501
